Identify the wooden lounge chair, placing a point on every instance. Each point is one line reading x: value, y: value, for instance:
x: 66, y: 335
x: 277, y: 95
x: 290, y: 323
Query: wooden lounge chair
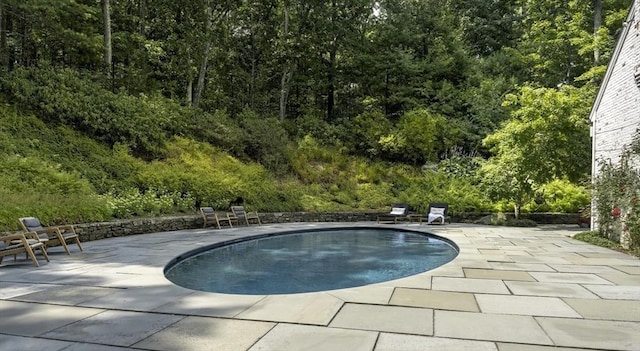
x: 210, y: 217
x: 438, y: 213
x: 244, y: 216
x: 14, y: 244
x: 52, y: 236
x: 398, y: 212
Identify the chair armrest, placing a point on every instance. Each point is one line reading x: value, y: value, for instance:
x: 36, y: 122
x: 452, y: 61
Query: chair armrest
x: 32, y: 235
x: 9, y: 237
x: 47, y: 230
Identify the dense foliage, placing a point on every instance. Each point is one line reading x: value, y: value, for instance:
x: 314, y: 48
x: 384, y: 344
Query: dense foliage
x: 617, y: 195
x: 308, y: 105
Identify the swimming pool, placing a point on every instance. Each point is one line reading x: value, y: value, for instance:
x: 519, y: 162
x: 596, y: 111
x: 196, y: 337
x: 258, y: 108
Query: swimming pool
x: 309, y: 260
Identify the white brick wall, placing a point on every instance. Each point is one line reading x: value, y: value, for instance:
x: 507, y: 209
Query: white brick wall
x: 615, y: 116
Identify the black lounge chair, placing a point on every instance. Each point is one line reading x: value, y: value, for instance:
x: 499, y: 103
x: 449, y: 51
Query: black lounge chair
x: 438, y: 213
x: 398, y: 212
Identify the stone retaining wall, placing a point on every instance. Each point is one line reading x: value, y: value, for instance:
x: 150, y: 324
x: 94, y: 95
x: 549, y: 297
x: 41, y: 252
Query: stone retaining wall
x: 95, y: 231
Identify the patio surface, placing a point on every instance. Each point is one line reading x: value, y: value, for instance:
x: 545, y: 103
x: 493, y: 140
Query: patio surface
x: 510, y: 289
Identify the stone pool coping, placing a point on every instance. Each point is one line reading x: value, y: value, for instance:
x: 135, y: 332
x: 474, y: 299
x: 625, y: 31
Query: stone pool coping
x: 509, y: 289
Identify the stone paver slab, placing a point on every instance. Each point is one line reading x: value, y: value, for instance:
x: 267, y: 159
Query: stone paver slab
x: 521, y: 347
x: 94, y: 347
x: 117, y: 328
x: 549, y: 289
x: 313, y: 308
x: 200, y: 333
x: 372, y: 294
x: 615, y: 292
x: 314, y: 338
x: 525, y: 305
x: 210, y: 304
x: 531, y: 267
x: 538, y: 259
x: 491, y: 327
x: 576, y: 278
x: 616, y: 310
x: 12, y: 342
x: 138, y: 299
x: 396, y: 342
x: 443, y: 300
x: 635, y: 270
x: 621, y: 279
x: 489, y: 286
x: 392, y: 319
x: 33, y: 319
x: 575, y: 268
x: 67, y: 295
x: 497, y: 274
x: 592, y: 334
x: 9, y: 290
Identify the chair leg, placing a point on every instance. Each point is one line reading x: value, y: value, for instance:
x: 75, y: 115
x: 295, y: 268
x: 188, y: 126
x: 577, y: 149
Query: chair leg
x: 44, y: 253
x: 64, y: 245
x: 78, y: 242
x: 31, y: 255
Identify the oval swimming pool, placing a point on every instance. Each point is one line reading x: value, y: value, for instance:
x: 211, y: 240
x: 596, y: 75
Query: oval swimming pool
x: 309, y: 260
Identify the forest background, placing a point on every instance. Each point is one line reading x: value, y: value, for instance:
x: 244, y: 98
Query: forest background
x: 122, y: 108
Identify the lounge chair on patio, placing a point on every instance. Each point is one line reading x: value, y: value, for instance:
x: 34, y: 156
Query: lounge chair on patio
x: 438, y: 213
x: 52, y: 236
x: 14, y: 244
x: 210, y: 217
x: 245, y: 216
x: 398, y: 211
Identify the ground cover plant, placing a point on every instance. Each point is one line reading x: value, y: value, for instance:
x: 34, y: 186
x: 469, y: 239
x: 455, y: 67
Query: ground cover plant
x: 310, y: 106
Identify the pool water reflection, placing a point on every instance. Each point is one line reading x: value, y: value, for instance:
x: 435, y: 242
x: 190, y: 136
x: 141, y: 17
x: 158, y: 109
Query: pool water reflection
x: 309, y: 261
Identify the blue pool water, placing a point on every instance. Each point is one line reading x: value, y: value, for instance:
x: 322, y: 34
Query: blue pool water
x: 310, y: 261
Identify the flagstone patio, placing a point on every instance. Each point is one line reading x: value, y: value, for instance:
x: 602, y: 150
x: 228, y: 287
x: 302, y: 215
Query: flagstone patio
x: 509, y: 289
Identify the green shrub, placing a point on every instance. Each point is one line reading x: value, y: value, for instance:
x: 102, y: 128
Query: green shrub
x: 50, y: 208
x: 131, y: 202
x: 266, y: 141
x: 560, y: 195
x: 595, y: 238
x: 459, y: 193
x: 68, y: 97
x: 211, y: 177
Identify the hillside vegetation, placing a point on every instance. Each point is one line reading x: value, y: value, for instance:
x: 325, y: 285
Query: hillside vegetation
x: 62, y: 174
x: 147, y: 108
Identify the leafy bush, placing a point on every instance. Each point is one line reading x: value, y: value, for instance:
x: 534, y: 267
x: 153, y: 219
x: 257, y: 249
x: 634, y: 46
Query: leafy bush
x: 560, y: 195
x: 366, y: 131
x: 594, y: 237
x: 67, y: 97
x: 266, y: 142
x: 131, y: 202
x: 459, y: 193
x: 211, y: 177
x: 417, y: 137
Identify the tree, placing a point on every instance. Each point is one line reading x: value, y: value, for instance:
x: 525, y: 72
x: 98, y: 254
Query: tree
x: 106, y: 23
x: 546, y: 138
x: 418, y: 137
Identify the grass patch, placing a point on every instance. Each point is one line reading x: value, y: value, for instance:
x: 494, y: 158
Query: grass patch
x: 594, y: 238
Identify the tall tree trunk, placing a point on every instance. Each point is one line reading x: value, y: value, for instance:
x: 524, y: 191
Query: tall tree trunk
x: 205, y: 59
x: 331, y: 77
x: 286, y: 72
x: 106, y: 23
x: 189, y: 92
x: 4, y: 54
x: 597, y: 21
x: 142, y: 15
